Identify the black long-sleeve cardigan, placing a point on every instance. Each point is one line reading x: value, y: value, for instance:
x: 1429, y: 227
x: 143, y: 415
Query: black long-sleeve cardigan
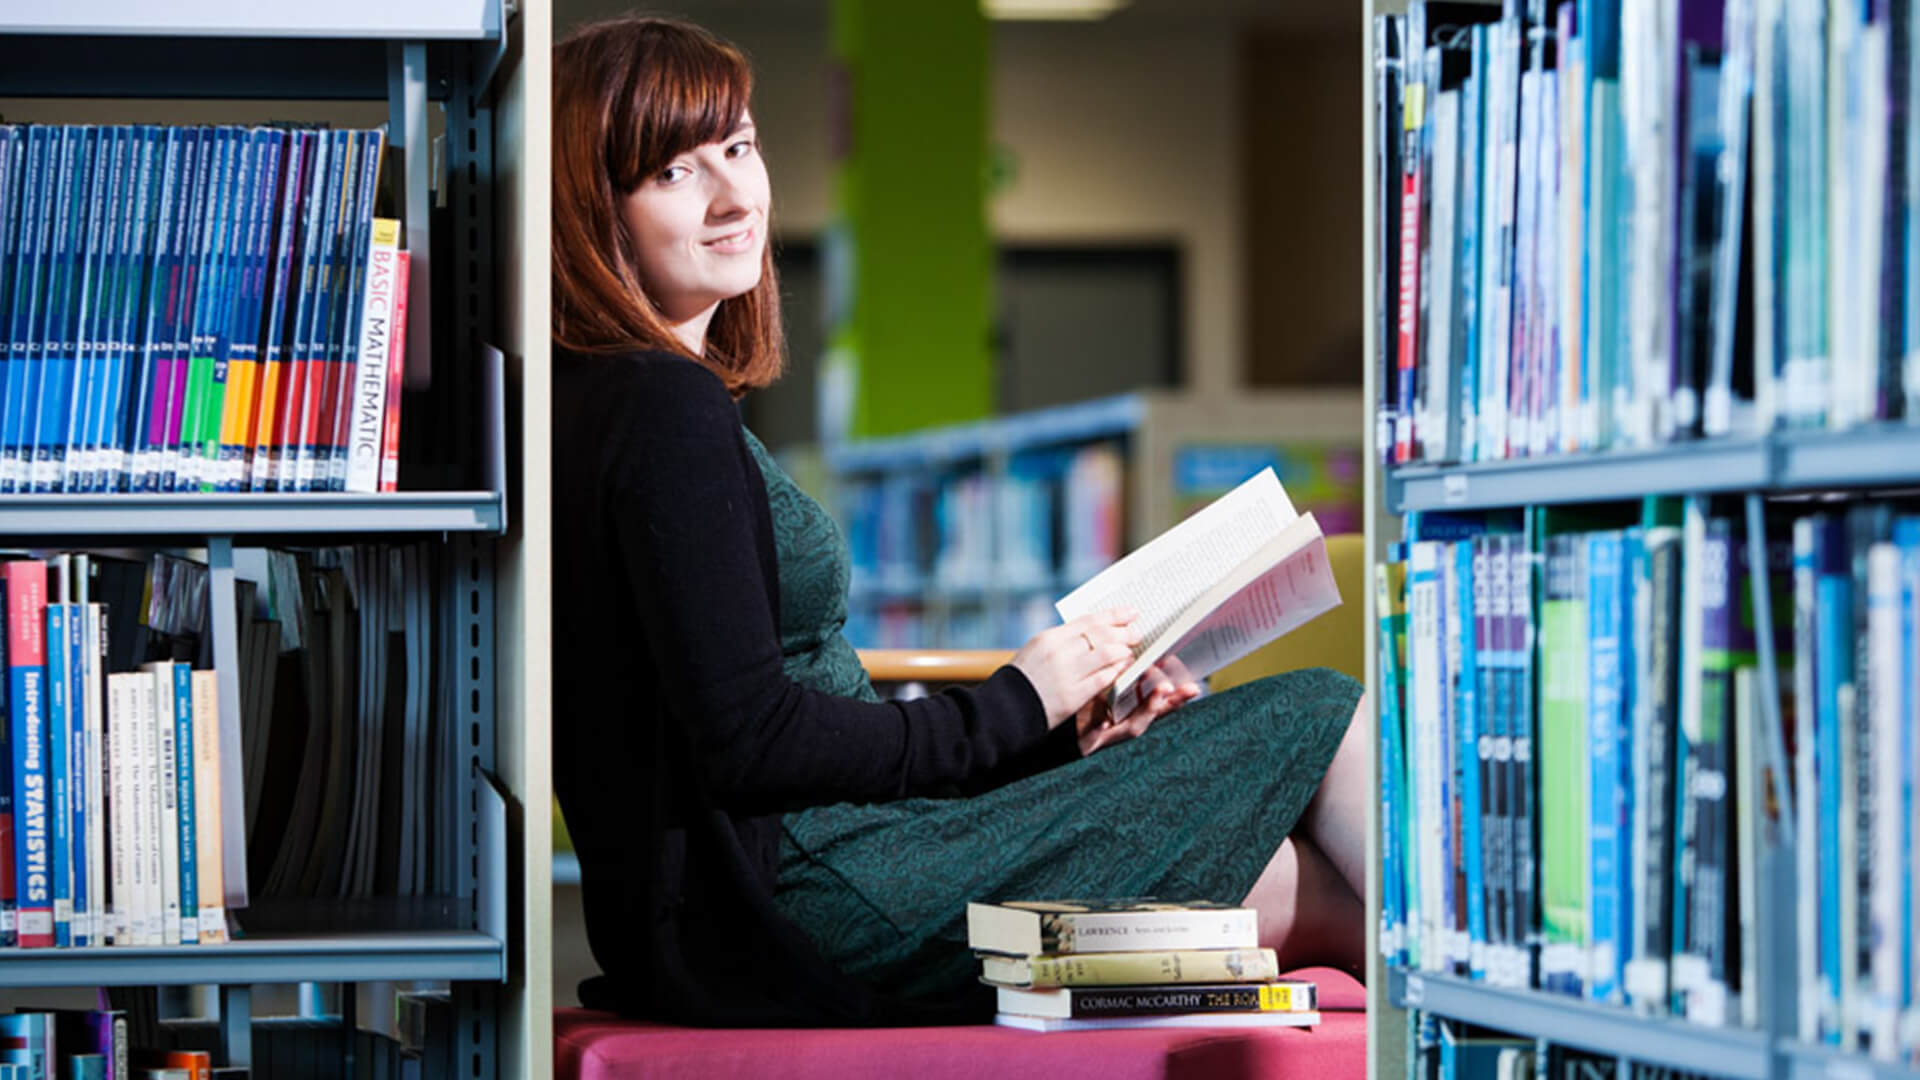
x: 679, y: 740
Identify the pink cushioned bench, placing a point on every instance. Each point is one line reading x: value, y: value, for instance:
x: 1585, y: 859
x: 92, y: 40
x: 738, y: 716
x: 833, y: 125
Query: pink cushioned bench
x: 599, y: 1046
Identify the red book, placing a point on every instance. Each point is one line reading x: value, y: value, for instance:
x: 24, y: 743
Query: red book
x: 396, y: 365
x: 25, y: 586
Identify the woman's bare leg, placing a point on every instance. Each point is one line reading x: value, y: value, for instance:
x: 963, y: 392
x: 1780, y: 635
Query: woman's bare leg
x: 1336, y: 819
x: 1308, y: 915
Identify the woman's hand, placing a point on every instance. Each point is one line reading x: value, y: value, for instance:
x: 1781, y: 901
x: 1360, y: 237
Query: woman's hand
x: 1165, y: 687
x: 1069, y: 664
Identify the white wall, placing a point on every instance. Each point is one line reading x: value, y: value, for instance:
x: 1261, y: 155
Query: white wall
x: 1121, y: 132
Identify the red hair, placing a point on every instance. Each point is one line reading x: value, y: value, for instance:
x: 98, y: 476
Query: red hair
x: 629, y: 95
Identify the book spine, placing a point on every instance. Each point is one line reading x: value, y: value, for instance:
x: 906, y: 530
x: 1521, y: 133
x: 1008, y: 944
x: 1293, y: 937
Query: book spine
x: 293, y: 391
x: 121, y: 710
x: 1885, y: 901
x: 1153, y: 968
x: 27, y: 673
x: 1834, y: 620
x: 1453, y: 885
x: 187, y: 850
x: 36, y: 449
x: 196, y: 241
x: 396, y: 376
x: 93, y: 655
x: 1160, y: 1001
x: 1467, y: 335
x: 1091, y: 932
x: 1606, y: 735
x: 146, y: 796
x: 59, y: 768
x: 1563, y: 725
x: 1524, y: 722
x: 210, y: 257
x: 12, y: 145
x: 9, y: 807
x: 228, y: 270
x: 1388, y: 31
x: 1502, y: 662
x: 1408, y: 340
x: 168, y: 801
x: 347, y: 382
x: 207, y: 795
x: 1389, y: 585
x: 365, y: 448
x: 146, y: 357
x: 326, y: 291
x: 1423, y: 667
x: 101, y: 186
x: 1468, y: 758
x: 259, y: 472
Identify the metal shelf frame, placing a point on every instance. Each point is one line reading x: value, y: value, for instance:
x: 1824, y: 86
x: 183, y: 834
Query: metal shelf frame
x: 249, y: 516
x: 408, y: 53
x: 453, y: 955
x: 1564, y: 1021
x: 1806, y: 1062
x: 1880, y: 456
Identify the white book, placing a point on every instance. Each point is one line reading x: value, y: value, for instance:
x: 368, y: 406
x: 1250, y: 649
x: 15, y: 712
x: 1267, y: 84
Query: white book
x: 1241, y: 572
x: 1805, y: 784
x: 1847, y: 903
x: 207, y: 793
x: 1176, y: 1020
x: 1889, y: 827
x: 145, y: 748
x: 120, y: 712
x: 1424, y: 674
x: 167, y: 798
x: 369, y: 401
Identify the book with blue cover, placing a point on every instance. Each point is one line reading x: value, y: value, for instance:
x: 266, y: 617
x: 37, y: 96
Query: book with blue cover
x: 1467, y: 758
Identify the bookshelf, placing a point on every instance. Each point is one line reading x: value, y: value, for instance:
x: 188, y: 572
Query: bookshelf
x: 963, y: 536
x: 1756, y: 480
x: 477, y: 71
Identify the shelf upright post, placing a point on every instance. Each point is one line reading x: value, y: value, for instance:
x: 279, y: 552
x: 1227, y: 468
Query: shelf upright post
x: 1775, y: 910
x: 236, y: 1024
x: 407, y: 131
x: 222, y: 623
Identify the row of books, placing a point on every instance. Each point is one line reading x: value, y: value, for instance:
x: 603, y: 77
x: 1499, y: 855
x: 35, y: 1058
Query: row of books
x: 343, y: 703
x: 1581, y: 769
x: 110, y: 811
x: 1607, y: 224
x: 125, y: 1040
x: 1077, y: 964
x: 1442, y: 1049
x: 197, y: 309
x: 1050, y: 515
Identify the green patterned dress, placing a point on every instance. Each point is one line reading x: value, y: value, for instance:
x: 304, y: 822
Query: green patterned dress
x: 1193, y: 809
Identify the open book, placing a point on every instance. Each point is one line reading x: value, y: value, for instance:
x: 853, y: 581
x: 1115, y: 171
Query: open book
x: 1232, y: 577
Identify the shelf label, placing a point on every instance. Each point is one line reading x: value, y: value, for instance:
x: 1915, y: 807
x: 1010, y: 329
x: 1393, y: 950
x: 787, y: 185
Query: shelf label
x: 1453, y: 489
x: 1416, y: 994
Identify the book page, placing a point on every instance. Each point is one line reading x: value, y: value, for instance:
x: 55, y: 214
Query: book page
x: 1291, y: 584
x: 1165, y: 576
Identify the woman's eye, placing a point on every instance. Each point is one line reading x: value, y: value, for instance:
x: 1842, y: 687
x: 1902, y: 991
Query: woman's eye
x: 674, y: 174
x: 741, y: 148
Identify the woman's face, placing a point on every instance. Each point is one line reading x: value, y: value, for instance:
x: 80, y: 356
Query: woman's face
x: 699, y: 225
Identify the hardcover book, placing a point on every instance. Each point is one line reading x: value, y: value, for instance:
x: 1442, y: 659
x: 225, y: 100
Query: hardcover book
x: 1239, y: 573
x: 1025, y: 927
x: 1082, y: 1003
x: 1146, y: 968
x: 1173, y: 1020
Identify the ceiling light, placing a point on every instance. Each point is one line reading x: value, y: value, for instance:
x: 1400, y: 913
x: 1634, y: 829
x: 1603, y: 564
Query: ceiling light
x: 1063, y: 10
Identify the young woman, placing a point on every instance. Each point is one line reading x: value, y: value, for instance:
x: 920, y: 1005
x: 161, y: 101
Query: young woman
x: 761, y: 840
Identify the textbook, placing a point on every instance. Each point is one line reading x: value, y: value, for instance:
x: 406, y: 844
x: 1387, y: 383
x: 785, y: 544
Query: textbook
x: 1144, y: 968
x: 1172, y: 1020
x: 1097, y: 1002
x: 1024, y: 927
x: 1239, y: 573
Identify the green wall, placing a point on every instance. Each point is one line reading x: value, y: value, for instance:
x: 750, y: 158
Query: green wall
x: 909, y: 271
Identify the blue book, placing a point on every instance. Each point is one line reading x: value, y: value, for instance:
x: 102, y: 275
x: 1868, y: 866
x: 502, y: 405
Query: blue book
x: 24, y: 305
x: 91, y: 219
x: 56, y: 359
x: 82, y: 638
x: 1906, y: 536
x: 1833, y: 630
x: 1467, y: 757
x: 1502, y: 661
x: 150, y: 360
x: 1453, y: 916
x: 1607, y: 733
x: 183, y: 779
x: 12, y: 165
x: 27, y: 1040
x: 1467, y: 273
x: 107, y: 465
x: 110, y: 336
x: 59, y: 769
x: 1392, y: 767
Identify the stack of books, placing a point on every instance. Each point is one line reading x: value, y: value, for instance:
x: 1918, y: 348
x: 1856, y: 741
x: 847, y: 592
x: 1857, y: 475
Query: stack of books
x: 1067, y: 965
